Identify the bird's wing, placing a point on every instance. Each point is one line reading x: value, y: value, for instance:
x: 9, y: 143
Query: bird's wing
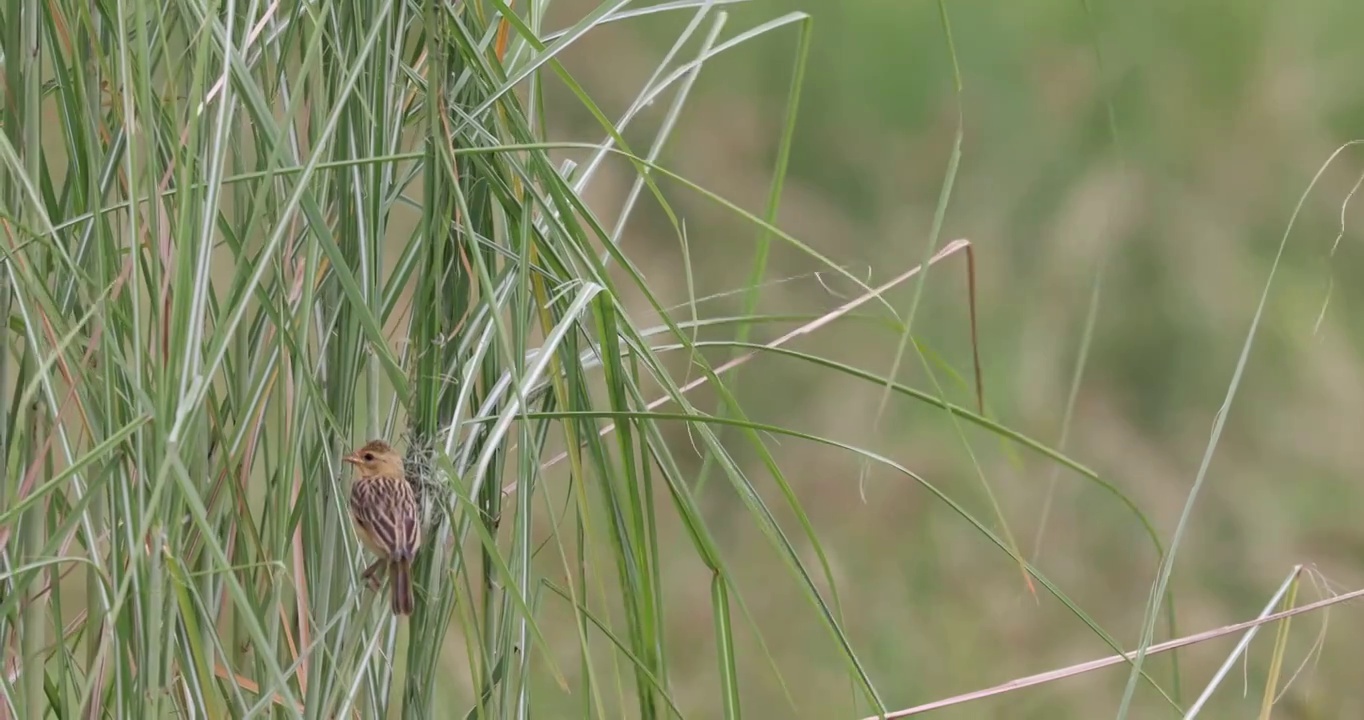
x: 386, y: 509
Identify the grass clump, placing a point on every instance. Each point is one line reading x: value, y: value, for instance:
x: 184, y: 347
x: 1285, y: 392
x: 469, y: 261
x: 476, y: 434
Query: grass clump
x: 241, y: 239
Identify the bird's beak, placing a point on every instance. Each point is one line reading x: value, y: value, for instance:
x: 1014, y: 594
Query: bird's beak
x: 353, y: 459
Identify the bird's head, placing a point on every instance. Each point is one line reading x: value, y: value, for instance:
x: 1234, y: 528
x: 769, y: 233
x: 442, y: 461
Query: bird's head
x: 376, y: 458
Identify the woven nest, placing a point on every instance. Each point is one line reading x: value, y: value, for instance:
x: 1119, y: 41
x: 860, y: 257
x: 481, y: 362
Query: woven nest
x: 430, y: 482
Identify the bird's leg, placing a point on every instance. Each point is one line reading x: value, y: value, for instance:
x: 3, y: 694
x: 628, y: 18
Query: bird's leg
x: 372, y: 574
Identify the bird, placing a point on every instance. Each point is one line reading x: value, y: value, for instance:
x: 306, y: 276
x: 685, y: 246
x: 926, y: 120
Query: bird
x: 387, y: 518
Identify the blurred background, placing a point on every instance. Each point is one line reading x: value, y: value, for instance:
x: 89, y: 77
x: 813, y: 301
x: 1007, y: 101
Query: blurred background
x: 1224, y: 110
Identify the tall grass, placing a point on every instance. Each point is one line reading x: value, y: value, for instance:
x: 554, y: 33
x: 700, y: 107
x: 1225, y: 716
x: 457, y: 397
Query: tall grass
x: 243, y: 237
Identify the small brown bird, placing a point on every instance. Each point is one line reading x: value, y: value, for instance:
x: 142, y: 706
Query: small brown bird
x: 387, y: 519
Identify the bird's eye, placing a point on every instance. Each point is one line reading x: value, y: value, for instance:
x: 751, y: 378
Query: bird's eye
x: 369, y: 457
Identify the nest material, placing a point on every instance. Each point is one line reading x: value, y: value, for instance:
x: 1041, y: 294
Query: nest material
x: 429, y: 482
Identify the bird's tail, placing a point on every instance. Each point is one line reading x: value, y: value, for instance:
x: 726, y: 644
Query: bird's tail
x: 402, y: 587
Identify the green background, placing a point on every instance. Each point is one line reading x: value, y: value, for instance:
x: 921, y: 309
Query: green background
x: 1224, y: 111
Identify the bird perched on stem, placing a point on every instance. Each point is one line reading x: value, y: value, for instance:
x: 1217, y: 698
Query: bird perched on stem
x: 387, y: 519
